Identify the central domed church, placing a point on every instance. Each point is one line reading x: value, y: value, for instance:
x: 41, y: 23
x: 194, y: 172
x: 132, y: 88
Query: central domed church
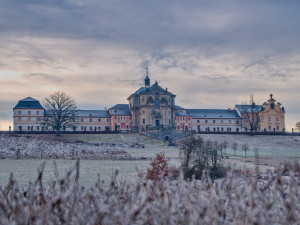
x: 152, y: 106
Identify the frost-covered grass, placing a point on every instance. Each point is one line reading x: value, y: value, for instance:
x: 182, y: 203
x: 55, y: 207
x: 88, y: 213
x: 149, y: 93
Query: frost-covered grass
x: 279, y: 142
x: 240, y: 198
x: 30, y: 147
x: 25, y: 170
x: 151, y: 146
x: 267, y: 146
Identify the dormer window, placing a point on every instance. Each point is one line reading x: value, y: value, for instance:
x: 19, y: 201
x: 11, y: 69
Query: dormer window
x: 272, y: 106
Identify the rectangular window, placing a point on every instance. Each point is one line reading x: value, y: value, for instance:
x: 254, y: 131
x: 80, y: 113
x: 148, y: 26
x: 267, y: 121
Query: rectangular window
x: 270, y: 128
x: 229, y: 121
x: 214, y: 129
x: 222, y: 129
x: 38, y: 119
x: 198, y: 121
x: 277, y: 128
x: 99, y: 128
x: 214, y: 121
x: 99, y: 120
x: 81, y: 119
x: 221, y: 121
x: 205, y: 121
x: 277, y: 119
x: 19, y: 112
x: 269, y: 118
x: 37, y: 128
x: 19, y: 118
x: 107, y: 120
x: 91, y: 128
x: 37, y: 112
x: 91, y: 120
x: 29, y: 118
x: 144, y: 121
x: 81, y: 127
x: 46, y: 128
x: 28, y: 128
x: 29, y: 112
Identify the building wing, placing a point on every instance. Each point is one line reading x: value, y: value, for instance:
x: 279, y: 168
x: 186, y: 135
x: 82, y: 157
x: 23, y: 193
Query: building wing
x: 213, y: 113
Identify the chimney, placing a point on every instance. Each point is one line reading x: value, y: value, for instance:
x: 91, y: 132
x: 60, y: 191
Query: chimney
x: 229, y: 109
x: 166, y: 89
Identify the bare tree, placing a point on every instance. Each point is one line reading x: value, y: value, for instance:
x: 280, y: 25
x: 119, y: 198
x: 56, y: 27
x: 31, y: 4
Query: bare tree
x: 234, y: 146
x: 250, y: 115
x: 225, y: 146
x: 60, y: 112
x: 245, y: 147
x: 298, y: 126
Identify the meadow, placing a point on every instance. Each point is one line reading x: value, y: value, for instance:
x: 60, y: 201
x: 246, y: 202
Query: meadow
x: 272, y: 150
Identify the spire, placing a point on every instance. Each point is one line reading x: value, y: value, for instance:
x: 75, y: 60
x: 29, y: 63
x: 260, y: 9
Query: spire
x: 271, y: 96
x: 147, y: 79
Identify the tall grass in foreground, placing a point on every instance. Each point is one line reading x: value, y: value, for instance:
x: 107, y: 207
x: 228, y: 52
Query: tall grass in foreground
x: 239, y: 198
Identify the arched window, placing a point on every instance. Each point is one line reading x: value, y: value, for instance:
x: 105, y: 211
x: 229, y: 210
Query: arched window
x: 164, y: 101
x: 150, y: 100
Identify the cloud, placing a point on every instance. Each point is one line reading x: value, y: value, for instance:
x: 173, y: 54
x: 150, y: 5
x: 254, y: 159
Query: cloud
x: 43, y: 76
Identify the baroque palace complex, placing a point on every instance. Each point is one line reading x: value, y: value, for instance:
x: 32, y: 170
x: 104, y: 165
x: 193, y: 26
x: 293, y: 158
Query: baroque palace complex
x: 150, y: 108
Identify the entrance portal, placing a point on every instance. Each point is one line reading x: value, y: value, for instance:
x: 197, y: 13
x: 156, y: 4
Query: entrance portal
x: 157, y: 123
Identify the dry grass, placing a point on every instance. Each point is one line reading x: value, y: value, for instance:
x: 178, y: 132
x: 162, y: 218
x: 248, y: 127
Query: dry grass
x: 240, y: 198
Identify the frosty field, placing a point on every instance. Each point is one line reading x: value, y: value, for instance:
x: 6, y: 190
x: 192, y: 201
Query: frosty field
x: 271, y: 149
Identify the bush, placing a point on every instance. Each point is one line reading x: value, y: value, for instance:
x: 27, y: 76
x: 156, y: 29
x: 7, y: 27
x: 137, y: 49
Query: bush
x: 199, y: 156
x: 159, y: 168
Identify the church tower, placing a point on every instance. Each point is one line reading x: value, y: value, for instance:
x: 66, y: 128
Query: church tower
x: 147, y: 79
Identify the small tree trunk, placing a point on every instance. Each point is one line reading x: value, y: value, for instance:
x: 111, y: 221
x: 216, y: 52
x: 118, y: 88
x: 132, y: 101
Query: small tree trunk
x: 58, y: 131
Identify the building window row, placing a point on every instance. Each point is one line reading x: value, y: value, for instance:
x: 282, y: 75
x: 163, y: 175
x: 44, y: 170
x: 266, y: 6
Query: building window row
x: 29, y: 113
x: 182, y: 118
x: 216, y: 121
x: 122, y: 117
x: 91, y: 120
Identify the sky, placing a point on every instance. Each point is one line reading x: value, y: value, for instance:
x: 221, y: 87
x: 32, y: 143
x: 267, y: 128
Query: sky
x: 210, y: 54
